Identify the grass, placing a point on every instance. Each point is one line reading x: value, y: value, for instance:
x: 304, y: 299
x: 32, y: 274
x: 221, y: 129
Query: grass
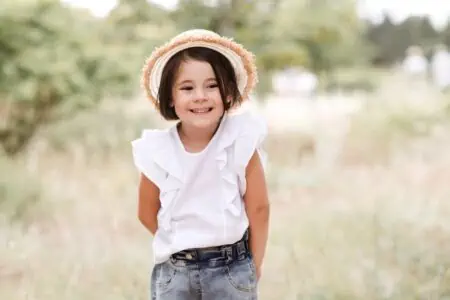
x: 374, y: 226
x: 365, y: 233
x: 18, y: 204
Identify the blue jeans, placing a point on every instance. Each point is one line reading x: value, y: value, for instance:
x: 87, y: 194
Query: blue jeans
x: 224, y: 272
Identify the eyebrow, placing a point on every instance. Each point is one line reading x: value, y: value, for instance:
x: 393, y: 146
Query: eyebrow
x: 190, y: 81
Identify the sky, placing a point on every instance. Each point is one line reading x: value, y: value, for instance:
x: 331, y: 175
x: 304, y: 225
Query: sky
x: 438, y: 10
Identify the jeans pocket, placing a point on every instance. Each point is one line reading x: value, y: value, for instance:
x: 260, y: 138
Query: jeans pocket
x: 164, y: 276
x: 242, y: 275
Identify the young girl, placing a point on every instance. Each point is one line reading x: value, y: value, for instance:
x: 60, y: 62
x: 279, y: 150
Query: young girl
x: 202, y: 191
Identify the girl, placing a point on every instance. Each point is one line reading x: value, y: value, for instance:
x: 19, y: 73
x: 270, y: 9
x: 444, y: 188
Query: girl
x: 202, y: 191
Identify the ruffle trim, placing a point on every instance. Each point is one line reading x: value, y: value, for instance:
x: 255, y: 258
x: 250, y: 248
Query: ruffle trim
x: 154, y: 155
x: 244, y: 134
x: 240, y: 136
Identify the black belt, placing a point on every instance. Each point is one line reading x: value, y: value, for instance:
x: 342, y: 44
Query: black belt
x: 237, y: 251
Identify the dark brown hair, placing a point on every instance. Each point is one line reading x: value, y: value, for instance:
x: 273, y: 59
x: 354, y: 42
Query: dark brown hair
x: 223, y: 70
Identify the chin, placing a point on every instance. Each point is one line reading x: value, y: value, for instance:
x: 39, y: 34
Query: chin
x: 204, y: 124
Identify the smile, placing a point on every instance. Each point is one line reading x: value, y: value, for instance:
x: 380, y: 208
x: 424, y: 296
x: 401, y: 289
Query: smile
x: 201, y: 110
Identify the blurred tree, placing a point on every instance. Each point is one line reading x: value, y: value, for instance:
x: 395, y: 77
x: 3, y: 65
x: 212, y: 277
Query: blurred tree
x: 318, y: 34
x: 392, y: 40
x: 427, y: 34
x: 445, y: 34
x: 381, y: 35
x: 226, y: 17
x: 328, y: 31
x: 415, y: 30
x: 245, y: 21
x: 138, y: 21
x: 194, y: 14
x: 52, y: 64
x: 132, y: 30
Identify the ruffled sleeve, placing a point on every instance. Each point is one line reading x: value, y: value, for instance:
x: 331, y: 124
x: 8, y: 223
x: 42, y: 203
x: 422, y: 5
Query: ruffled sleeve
x: 242, y: 135
x: 252, y: 133
x: 155, y: 157
x: 144, y: 149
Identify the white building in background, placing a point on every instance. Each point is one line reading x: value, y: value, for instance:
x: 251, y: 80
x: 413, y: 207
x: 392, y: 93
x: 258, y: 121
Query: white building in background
x: 415, y: 64
x: 440, y: 67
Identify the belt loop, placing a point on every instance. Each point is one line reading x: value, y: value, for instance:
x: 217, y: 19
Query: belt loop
x: 240, y: 248
x: 246, y: 235
x: 229, y: 253
x: 247, y: 240
x: 196, y: 254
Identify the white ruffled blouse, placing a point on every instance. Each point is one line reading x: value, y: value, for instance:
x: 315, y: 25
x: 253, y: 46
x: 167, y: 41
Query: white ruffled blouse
x: 201, y: 194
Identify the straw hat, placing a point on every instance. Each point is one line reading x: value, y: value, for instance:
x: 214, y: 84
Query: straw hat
x: 241, y: 59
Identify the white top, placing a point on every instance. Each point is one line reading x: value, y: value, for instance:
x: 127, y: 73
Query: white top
x: 201, y: 193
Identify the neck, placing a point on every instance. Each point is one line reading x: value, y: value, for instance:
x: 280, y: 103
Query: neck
x: 194, y: 138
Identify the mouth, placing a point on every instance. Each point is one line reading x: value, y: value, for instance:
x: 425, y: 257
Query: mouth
x: 201, y: 110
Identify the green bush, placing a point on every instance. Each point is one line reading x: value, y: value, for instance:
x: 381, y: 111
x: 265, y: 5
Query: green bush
x: 54, y: 63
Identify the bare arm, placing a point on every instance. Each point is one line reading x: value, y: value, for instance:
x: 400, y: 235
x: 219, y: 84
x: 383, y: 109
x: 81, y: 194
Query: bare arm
x: 258, y: 210
x: 149, y: 204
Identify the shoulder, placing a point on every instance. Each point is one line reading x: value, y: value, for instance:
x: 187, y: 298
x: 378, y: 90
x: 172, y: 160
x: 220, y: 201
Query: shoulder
x: 153, y: 154
x: 246, y: 123
x: 152, y: 138
x: 245, y: 133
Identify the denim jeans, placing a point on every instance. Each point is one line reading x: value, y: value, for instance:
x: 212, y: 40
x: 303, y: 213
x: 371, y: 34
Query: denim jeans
x: 216, y: 273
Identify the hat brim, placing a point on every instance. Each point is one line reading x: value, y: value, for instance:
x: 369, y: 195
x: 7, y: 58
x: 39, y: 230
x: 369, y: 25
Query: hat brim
x: 241, y: 60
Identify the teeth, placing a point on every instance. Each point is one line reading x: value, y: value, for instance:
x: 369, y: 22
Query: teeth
x: 202, y: 110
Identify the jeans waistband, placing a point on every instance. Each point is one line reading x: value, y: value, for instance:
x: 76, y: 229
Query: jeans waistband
x: 219, y: 254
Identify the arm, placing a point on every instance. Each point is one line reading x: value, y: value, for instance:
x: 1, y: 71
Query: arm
x: 149, y: 204
x: 258, y: 210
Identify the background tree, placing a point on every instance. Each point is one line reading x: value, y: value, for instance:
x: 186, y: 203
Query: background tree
x: 53, y: 64
x: 327, y: 32
x: 56, y: 60
x: 391, y: 40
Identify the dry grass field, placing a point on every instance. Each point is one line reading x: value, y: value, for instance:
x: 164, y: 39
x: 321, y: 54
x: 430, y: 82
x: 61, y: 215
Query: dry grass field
x: 359, y: 186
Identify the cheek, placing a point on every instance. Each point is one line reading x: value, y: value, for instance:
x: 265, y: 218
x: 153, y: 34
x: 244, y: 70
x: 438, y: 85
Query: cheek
x: 219, y: 102
x: 217, y: 97
x: 178, y: 100
x: 179, y: 108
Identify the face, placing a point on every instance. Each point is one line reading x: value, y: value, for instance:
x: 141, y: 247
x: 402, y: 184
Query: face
x: 196, y: 95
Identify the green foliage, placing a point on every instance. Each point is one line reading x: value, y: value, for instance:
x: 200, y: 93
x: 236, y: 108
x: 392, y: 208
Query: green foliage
x: 57, y: 60
x: 283, y: 33
x: 137, y: 23
x: 53, y: 64
x: 391, y: 40
x: 312, y: 26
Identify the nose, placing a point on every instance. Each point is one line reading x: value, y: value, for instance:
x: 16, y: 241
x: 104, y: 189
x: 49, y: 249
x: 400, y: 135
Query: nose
x: 200, y: 96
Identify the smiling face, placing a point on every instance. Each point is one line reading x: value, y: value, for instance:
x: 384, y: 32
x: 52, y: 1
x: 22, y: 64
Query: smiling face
x: 194, y: 84
x: 196, y: 96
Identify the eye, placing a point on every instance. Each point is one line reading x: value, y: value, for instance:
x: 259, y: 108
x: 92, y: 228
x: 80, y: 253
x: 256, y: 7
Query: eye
x: 187, y: 88
x: 213, y: 85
